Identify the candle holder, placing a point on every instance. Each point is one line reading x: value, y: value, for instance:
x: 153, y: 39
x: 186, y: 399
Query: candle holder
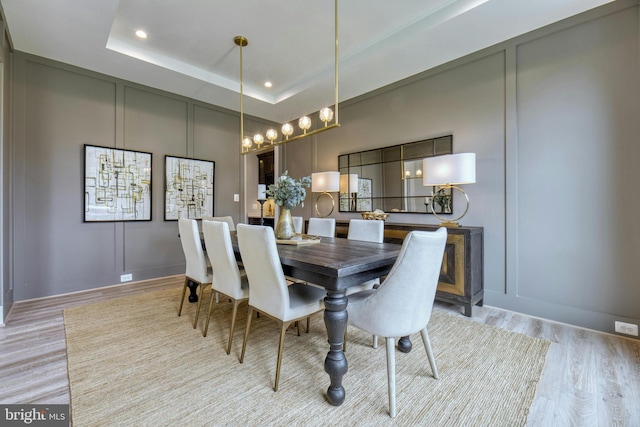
x: 261, y: 201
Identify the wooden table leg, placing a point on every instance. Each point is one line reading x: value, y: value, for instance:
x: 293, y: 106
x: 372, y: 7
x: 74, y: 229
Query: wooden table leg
x: 193, y: 291
x: 335, y: 320
x: 404, y: 344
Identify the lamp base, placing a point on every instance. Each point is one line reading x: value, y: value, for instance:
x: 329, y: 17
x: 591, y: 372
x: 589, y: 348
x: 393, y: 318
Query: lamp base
x: 333, y: 204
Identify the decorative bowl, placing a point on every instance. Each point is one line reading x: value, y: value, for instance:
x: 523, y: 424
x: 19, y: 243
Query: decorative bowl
x: 374, y: 215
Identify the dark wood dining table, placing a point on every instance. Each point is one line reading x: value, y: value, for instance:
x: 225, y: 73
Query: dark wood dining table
x: 336, y: 264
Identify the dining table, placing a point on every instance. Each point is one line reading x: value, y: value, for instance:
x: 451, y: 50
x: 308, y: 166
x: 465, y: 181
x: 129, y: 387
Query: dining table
x: 335, y: 264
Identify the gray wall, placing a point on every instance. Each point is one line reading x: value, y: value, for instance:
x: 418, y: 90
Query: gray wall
x: 6, y: 293
x: 59, y: 109
x: 553, y: 118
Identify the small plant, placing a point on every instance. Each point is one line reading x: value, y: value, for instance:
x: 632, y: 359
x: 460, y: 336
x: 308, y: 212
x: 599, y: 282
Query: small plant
x: 287, y: 192
x: 443, y: 200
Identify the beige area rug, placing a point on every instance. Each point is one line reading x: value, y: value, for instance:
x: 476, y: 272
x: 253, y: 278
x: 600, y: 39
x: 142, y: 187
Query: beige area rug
x: 133, y: 362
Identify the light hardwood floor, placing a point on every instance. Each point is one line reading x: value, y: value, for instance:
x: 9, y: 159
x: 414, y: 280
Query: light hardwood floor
x: 589, y: 379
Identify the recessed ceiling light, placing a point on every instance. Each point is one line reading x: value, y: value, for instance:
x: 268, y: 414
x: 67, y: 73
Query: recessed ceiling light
x: 267, y: 84
x: 141, y: 34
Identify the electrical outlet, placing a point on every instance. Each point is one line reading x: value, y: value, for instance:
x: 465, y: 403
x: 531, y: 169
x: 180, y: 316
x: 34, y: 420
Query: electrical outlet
x: 236, y: 197
x: 627, y: 328
x: 254, y: 206
x: 126, y: 277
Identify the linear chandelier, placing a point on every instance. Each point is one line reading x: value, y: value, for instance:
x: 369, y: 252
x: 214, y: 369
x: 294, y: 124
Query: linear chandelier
x: 253, y: 143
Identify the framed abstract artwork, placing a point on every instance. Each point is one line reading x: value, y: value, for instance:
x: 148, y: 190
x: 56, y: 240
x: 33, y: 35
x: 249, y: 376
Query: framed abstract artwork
x: 117, y: 184
x: 188, y: 188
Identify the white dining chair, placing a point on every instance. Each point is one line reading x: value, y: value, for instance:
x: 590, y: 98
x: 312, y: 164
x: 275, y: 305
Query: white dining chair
x: 298, y: 224
x: 402, y: 304
x: 269, y: 293
x: 197, y: 270
x: 227, y: 219
x: 324, y: 227
x: 366, y: 231
x: 227, y: 280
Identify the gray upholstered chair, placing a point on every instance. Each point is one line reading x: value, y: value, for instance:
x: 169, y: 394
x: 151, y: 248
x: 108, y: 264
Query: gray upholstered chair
x: 227, y: 219
x: 298, y: 224
x: 228, y: 280
x: 402, y: 304
x: 325, y: 227
x: 197, y: 270
x: 269, y: 292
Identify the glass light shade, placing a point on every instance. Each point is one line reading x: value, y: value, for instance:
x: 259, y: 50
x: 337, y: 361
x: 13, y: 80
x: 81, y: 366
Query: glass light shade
x: 258, y: 139
x: 451, y: 169
x: 419, y: 172
x: 304, y: 123
x: 287, y: 129
x: 326, y: 115
x: 272, y: 134
x: 325, y: 181
x: 349, y: 183
x: 246, y: 142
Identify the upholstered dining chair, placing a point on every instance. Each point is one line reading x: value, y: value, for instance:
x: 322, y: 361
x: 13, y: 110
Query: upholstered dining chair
x: 402, y: 304
x: 325, y: 227
x: 197, y: 270
x: 298, y: 224
x: 227, y: 278
x: 269, y: 293
x: 367, y: 231
x: 227, y: 219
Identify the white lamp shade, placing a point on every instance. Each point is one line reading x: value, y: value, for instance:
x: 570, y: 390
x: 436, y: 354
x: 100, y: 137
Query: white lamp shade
x: 262, y: 191
x: 451, y: 169
x: 325, y: 181
x: 349, y: 183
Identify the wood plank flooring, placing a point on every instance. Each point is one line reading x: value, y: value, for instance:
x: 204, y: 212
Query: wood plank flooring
x: 589, y: 379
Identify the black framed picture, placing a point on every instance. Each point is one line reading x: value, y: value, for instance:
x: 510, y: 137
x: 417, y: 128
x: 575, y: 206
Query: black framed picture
x: 117, y: 184
x: 188, y: 188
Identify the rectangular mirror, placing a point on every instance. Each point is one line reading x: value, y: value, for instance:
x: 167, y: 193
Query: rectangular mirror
x: 390, y: 178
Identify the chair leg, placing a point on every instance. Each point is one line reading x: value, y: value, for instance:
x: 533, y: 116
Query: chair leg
x: 308, y: 323
x: 246, y: 333
x: 206, y: 325
x: 184, y: 292
x: 233, y: 324
x: 427, y: 346
x: 283, y: 329
x: 375, y: 341
x: 195, y: 322
x: 391, y: 375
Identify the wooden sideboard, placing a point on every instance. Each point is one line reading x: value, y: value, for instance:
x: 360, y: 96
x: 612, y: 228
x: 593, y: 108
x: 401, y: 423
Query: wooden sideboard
x: 461, y: 279
x: 255, y: 220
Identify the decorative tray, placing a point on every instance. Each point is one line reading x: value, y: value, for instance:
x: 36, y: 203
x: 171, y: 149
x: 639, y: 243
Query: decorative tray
x: 375, y: 215
x: 299, y: 240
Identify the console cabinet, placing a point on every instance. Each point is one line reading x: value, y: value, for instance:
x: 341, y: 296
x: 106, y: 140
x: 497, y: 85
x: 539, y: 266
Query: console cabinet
x: 461, y: 278
x: 255, y: 220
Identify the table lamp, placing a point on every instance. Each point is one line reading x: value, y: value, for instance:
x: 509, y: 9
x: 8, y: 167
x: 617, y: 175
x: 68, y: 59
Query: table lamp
x: 325, y: 182
x: 349, y: 185
x: 447, y: 172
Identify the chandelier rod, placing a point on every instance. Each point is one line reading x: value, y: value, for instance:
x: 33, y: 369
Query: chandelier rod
x: 242, y: 41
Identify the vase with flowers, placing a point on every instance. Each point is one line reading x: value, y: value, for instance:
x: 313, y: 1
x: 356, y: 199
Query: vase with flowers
x: 287, y: 193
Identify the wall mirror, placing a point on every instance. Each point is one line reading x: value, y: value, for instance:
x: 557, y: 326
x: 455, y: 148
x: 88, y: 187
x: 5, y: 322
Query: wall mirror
x: 390, y: 178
